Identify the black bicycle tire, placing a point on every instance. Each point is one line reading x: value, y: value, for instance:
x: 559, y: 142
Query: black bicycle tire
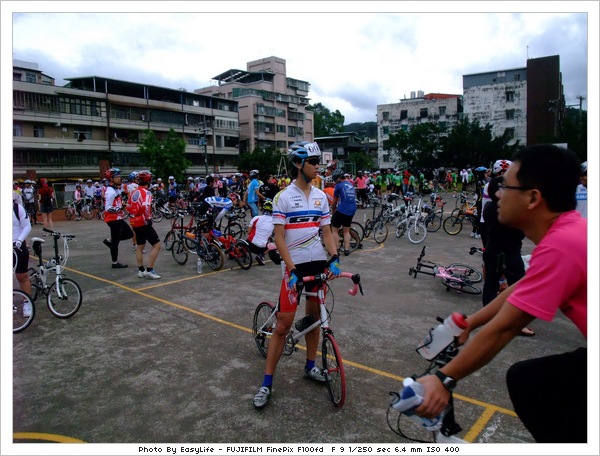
x: 450, y: 223
x: 68, y: 214
x: 36, y: 283
x: 87, y: 212
x: 360, y: 230
x: 157, y: 216
x: 461, y: 287
x: 261, y: 315
x: 383, y: 227
x: 474, y: 275
x: 26, y: 321
x: 354, y: 240
x: 243, y: 256
x: 53, y: 304
x: 169, y: 240
x: 368, y: 228
x: 333, y: 370
x: 214, y: 257
x: 235, y: 230
x: 179, y: 252
x: 430, y: 222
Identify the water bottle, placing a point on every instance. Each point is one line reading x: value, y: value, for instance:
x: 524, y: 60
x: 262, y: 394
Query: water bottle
x: 305, y: 322
x: 502, y: 284
x: 410, y: 398
x: 443, y: 335
x: 199, y: 265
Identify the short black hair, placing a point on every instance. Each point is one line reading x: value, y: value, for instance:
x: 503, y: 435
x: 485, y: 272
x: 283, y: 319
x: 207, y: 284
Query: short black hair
x: 553, y: 170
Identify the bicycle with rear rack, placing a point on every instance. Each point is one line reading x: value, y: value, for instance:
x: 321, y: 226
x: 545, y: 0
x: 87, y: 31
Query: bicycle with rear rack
x: 63, y: 295
x: 456, y: 276
x: 443, y: 429
x: 265, y: 320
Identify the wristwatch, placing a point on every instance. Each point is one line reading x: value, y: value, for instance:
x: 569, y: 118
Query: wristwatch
x: 448, y: 382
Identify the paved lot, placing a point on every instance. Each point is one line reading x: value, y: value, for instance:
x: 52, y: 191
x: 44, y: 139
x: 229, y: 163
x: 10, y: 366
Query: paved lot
x: 173, y: 360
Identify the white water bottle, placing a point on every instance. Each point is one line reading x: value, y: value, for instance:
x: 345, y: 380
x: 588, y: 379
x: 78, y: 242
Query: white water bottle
x: 442, y: 336
x: 199, y: 265
x: 409, y: 398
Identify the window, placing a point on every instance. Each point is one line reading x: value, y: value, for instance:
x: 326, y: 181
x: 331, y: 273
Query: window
x: 38, y: 131
x: 510, y: 96
x: 82, y: 133
x: 386, y: 115
x: 423, y: 113
x: 30, y: 77
x: 510, y: 114
x: 404, y: 114
x: 509, y: 133
x: 17, y: 130
x: 291, y: 131
x: 442, y: 110
x: 517, y: 77
x: 281, y: 128
x: 386, y: 130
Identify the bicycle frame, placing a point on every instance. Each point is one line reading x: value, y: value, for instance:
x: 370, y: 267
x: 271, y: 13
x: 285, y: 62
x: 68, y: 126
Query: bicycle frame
x: 55, y: 264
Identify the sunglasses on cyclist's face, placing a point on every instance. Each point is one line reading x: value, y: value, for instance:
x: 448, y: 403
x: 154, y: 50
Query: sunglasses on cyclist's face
x: 313, y: 161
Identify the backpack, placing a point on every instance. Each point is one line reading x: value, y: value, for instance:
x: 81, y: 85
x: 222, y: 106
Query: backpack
x: 46, y: 193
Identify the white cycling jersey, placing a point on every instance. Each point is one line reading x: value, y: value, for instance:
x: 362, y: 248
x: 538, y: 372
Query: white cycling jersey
x: 302, y: 218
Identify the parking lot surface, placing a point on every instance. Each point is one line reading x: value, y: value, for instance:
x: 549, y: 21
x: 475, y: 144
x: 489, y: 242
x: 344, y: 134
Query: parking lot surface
x: 174, y: 360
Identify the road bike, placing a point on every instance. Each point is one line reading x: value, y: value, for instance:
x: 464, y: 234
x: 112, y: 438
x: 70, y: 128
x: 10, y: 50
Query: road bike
x: 63, y: 295
x: 446, y: 429
x: 456, y: 276
x: 265, y: 320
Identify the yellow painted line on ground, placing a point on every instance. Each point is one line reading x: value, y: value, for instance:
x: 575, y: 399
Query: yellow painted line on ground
x: 45, y: 437
x: 489, y: 409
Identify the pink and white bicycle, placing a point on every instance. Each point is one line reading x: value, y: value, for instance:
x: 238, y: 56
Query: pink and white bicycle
x: 456, y: 276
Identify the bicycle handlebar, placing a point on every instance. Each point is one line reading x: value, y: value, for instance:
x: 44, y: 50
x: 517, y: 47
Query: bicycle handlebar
x: 57, y: 234
x: 324, y: 277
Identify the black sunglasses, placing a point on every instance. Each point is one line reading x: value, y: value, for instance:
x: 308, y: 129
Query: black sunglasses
x: 313, y: 161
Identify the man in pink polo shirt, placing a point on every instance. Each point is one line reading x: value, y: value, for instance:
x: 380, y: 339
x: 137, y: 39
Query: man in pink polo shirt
x: 549, y: 394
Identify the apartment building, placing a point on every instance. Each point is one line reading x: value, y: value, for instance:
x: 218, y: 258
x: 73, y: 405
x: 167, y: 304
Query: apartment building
x: 93, y: 123
x: 527, y: 104
x: 444, y: 109
x: 271, y: 105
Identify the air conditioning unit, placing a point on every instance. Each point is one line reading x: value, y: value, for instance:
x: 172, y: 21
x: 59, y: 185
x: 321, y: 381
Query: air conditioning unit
x: 143, y: 117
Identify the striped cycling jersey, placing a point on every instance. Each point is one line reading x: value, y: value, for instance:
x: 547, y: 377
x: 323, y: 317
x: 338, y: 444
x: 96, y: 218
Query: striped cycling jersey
x: 302, y: 218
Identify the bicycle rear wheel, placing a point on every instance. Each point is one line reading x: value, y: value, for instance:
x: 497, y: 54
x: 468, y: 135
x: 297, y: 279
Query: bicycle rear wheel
x: 87, y: 212
x: 234, y: 229
x: 464, y: 270
x: 354, y: 240
x: 333, y: 369
x: 461, y: 286
x: 68, y: 214
x: 360, y: 230
x: 433, y: 222
x: 417, y: 233
x: 20, y: 300
x: 157, y: 216
x: 179, y: 252
x: 66, y: 303
x: 380, y: 232
x: 243, y: 255
x: 262, y: 334
x: 36, y: 284
x: 368, y: 228
x: 452, y: 225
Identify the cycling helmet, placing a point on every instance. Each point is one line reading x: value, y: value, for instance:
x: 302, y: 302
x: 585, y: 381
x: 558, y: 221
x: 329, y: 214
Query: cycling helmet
x: 302, y: 150
x: 111, y: 173
x: 584, y: 168
x: 337, y: 174
x: 254, y: 173
x: 501, y: 165
x: 190, y: 178
x: 89, y: 181
x: 268, y: 205
x: 144, y: 177
x: 132, y: 176
x: 171, y: 177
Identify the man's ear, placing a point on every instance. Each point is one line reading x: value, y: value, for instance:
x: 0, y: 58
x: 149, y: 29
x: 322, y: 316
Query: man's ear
x: 535, y: 198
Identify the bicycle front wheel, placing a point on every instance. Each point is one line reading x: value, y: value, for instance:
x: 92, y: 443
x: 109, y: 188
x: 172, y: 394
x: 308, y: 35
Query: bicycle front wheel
x: 22, y: 301
x: 360, y: 230
x: 333, y: 370
x: 464, y: 270
x: 214, y: 257
x: 433, y: 222
x: 243, y: 256
x: 157, y: 216
x: 263, y: 325
x: 65, y: 300
x: 179, y: 252
x: 235, y: 230
x: 368, y: 228
x: 380, y: 232
x: 68, y: 214
x: 169, y: 239
x: 417, y: 233
x: 461, y: 286
x: 87, y: 212
x: 452, y: 225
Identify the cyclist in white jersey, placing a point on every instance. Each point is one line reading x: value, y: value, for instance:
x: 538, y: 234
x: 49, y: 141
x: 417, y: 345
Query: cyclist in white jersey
x: 300, y: 211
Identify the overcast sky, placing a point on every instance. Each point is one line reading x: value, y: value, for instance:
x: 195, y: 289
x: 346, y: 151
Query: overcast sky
x: 353, y: 60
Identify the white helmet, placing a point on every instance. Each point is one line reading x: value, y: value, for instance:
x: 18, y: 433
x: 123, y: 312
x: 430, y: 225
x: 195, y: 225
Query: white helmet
x: 501, y: 165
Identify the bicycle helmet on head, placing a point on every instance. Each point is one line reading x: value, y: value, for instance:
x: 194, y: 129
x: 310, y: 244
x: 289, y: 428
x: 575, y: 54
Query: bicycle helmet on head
x: 111, y: 173
x: 268, y: 205
x: 337, y: 174
x: 501, y: 165
x: 253, y: 173
x: 132, y: 175
x: 144, y: 177
x: 302, y: 150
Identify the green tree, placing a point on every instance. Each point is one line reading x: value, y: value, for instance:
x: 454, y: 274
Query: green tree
x: 361, y: 160
x: 167, y: 157
x: 366, y: 129
x: 470, y: 145
x: 326, y: 122
x: 264, y: 160
x: 417, y: 147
